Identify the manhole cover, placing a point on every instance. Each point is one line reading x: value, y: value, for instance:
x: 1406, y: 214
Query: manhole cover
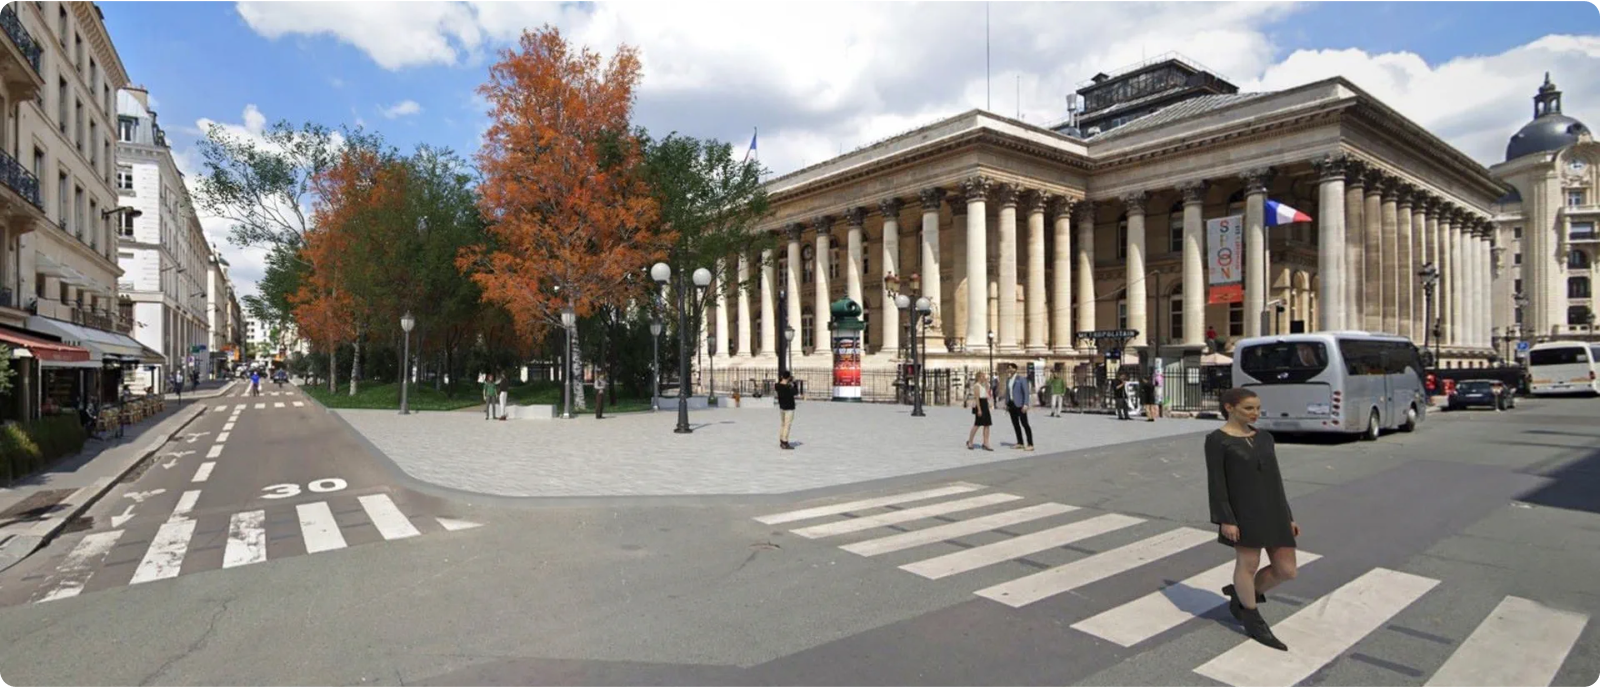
x: 37, y: 505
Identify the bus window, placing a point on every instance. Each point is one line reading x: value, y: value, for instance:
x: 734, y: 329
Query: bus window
x: 1284, y: 363
x: 1566, y: 355
x: 1363, y: 358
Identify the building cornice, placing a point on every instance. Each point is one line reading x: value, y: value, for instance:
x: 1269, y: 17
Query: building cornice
x: 1400, y: 133
x: 100, y: 41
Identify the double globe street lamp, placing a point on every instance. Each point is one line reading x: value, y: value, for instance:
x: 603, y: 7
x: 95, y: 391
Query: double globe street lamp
x: 655, y: 363
x: 662, y: 274
x: 922, y: 315
x: 569, y: 319
x: 1429, y: 274
x: 406, y: 323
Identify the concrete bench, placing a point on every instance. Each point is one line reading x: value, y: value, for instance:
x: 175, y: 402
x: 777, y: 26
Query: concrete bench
x: 764, y: 403
x: 695, y: 402
x: 532, y: 412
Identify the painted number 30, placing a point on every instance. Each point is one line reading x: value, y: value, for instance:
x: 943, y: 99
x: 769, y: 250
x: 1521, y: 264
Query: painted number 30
x: 321, y: 486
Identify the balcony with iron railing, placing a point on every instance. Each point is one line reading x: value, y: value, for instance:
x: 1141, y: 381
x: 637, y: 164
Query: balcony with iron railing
x: 21, y: 181
x: 24, y: 82
x: 93, y: 318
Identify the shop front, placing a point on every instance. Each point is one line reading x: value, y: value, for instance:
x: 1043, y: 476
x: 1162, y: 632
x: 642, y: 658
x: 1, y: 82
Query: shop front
x: 112, y: 359
x: 47, y: 374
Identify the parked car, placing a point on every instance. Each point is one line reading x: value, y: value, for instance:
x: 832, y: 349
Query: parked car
x: 1491, y: 393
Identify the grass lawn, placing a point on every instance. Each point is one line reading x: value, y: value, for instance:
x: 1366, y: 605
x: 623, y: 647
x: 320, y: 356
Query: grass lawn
x: 375, y: 396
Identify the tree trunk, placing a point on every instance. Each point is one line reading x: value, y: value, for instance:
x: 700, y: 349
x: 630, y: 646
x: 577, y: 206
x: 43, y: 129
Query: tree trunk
x: 575, y: 373
x: 355, y: 362
x: 333, y: 368
x: 599, y: 372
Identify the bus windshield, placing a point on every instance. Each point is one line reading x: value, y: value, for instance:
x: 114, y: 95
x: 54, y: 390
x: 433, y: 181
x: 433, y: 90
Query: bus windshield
x: 1566, y: 355
x: 1284, y: 362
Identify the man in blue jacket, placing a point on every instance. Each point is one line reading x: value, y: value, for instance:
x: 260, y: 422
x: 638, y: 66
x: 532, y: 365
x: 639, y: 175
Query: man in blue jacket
x: 1018, y: 399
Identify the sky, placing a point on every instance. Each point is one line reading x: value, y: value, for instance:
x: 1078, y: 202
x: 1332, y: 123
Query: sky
x: 820, y: 78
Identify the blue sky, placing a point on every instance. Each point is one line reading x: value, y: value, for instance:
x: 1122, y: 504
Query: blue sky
x: 820, y: 78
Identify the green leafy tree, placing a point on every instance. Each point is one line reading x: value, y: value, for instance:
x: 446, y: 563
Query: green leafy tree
x: 6, y: 373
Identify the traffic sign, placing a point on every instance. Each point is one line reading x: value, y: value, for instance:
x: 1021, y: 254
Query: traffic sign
x: 1522, y: 347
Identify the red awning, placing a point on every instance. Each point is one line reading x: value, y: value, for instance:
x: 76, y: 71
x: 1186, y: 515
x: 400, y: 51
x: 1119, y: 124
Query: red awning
x: 45, y: 350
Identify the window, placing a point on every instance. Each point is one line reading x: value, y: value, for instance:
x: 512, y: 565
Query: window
x: 1565, y: 355
x: 64, y: 219
x: 1235, y: 319
x: 126, y: 128
x: 1577, y: 260
x: 1175, y: 230
x: 77, y: 206
x: 94, y: 236
x: 1574, y: 197
x: 61, y: 106
x: 77, y: 40
x: 61, y: 290
x: 61, y: 27
x: 1581, y: 231
x: 77, y: 127
x: 38, y: 163
x: 38, y: 285
x: 125, y: 179
x: 807, y: 322
x: 1122, y: 313
x: 1364, y: 358
x: 833, y: 263
x: 1175, y: 321
x: 1578, y: 287
x: 1286, y: 363
x: 1122, y: 237
x: 1516, y: 232
x: 94, y: 150
x: 1516, y: 259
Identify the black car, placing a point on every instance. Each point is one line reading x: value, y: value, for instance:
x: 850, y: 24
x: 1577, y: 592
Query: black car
x: 1489, y: 393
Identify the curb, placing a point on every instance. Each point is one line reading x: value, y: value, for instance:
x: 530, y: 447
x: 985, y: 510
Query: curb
x: 19, y: 547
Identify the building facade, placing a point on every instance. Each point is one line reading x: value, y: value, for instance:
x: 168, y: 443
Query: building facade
x: 225, y: 331
x: 1033, y: 237
x: 163, y: 251
x: 59, y: 269
x: 1547, y: 226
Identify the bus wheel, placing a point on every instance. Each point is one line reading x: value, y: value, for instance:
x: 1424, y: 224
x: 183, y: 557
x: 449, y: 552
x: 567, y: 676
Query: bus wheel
x: 1373, y: 428
x: 1411, y: 420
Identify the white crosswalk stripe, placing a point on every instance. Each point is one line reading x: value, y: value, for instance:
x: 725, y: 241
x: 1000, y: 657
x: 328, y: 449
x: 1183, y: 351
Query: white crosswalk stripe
x: 164, y: 558
x: 391, y: 523
x: 298, y: 404
x: 247, y: 539
x: 318, y: 528
x: 1521, y: 642
x: 74, y: 573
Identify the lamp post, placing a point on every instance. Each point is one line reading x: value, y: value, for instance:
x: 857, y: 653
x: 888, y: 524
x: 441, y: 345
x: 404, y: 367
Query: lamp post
x: 903, y: 303
x: 568, y: 319
x: 991, y: 355
x: 655, y: 364
x: 406, y: 323
x: 1430, y: 280
x: 662, y: 274
x: 924, y: 308
x: 711, y: 368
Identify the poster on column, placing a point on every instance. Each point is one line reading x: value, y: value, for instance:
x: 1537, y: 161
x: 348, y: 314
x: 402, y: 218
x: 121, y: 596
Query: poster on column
x: 846, y: 367
x: 1225, y: 259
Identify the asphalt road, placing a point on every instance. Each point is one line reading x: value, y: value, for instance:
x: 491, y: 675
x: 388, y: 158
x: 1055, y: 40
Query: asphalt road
x: 1463, y: 549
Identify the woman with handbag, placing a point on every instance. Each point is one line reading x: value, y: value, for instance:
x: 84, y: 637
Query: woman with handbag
x: 981, y: 403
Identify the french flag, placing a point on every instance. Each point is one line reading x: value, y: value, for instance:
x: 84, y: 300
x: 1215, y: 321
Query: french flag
x: 1279, y: 214
x: 751, y: 153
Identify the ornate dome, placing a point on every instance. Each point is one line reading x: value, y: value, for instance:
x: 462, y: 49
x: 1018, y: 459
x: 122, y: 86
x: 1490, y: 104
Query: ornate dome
x: 1549, y: 130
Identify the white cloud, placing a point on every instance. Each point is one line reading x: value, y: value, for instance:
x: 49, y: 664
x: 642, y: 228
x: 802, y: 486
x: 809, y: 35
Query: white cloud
x: 403, y: 108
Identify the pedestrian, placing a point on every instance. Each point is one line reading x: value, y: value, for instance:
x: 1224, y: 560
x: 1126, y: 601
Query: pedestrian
x: 1018, y: 399
x: 1119, y: 395
x: 1147, y: 398
x: 1058, y: 393
x: 504, y: 396
x: 785, y: 391
x: 1251, y: 510
x: 491, y: 395
x: 981, y: 417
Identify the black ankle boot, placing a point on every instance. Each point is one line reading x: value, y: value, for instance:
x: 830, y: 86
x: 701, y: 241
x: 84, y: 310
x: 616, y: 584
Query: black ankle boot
x: 1256, y: 627
x: 1230, y: 592
x: 1236, y: 609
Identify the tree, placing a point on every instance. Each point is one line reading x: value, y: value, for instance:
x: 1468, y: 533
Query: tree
x: 6, y: 373
x: 569, y: 213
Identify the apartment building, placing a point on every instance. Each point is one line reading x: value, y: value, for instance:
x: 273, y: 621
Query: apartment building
x: 222, y: 317
x: 59, y: 308
x: 162, y: 250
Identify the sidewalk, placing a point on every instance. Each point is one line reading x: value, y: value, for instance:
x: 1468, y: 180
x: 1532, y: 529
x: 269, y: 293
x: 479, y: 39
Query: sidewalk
x: 35, y: 508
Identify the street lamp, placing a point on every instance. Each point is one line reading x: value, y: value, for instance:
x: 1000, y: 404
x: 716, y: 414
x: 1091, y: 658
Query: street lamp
x: 1430, y: 280
x: 662, y: 274
x: 923, y: 316
x: 711, y: 367
x: 406, y: 323
x: 569, y: 318
x: 991, y: 355
x: 655, y: 363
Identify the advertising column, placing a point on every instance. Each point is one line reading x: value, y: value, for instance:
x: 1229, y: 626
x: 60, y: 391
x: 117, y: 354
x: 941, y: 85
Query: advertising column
x: 846, y: 328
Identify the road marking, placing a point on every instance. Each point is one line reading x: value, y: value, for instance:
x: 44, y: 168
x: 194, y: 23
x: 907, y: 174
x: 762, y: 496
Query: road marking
x: 140, y: 496
x: 79, y: 564
x: 457, y: 525
x: 1016, y: 547
x: 124, y: 516
x: 1522, y: 642
x: 1045, y: 584
x: 318, y: 528
x: 837, y: 508
x: 259, y: 406
x: 1157, y: 612
x: 165, y: 556
x: 391, y: 523
x: 220, y: 408
x: 1321, y: 631
x: 279, y: 404
x: 228, y: 427
x: 186, y: 503
x: 899, y: 516
x: 216, y: 451
x: 247, y: 539
x: 223, y: 437
x: 204, y: 473
x: 298, y: 404
x: 906, y: 540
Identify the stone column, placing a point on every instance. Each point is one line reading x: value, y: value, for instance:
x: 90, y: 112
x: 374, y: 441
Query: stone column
x: 1136, y: 291
x: 1404, y: 270
x: 1330, y: 243
x: 975, y: 191
x: 1255, y: 249
x: 821, y: 340
x: 1061, y: 342
x: 1355, y: 245
x: 889, y: 313
x: 1036, y: 305
x: 769, y: 295
x: 1194, y: 264
x: 1006, y: 292
x: 744, y: 306
x: 933, y: 335
x: 720, y: 283
x: 854, y: 218
x: 1435, y: 256
x: 1389, y: 263
x: 1454, y: 324
x: 1480, y: 286
x: 1372, y: 248
x: 956, y: 315
x: 792, y: 294
x: 1084, y: 213
x: 1419, y: 257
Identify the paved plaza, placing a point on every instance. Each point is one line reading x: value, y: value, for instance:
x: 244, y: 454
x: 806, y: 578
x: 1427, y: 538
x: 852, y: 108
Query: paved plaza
x: 732, y: 451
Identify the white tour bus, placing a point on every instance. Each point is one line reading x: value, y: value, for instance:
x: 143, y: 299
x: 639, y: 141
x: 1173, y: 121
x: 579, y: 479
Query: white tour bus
x: 1333, y: 382
x: 1564, y: 367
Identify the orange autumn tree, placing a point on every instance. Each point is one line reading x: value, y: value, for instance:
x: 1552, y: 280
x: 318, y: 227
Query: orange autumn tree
x: 570, y: 218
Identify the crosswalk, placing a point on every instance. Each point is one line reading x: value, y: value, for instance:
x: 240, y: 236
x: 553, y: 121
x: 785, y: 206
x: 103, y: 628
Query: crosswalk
x: 187, y: 543
x: 244, y: 392
x: 258, y: 405
x: 1521, y: 642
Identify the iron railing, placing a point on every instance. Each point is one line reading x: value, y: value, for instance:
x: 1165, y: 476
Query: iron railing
x: 18, y: 178
x: 20, y: 36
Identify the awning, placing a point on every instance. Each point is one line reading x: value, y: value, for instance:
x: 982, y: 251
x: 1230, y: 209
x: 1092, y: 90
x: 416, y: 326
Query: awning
x: 100, y: 344
x: 45, y: 351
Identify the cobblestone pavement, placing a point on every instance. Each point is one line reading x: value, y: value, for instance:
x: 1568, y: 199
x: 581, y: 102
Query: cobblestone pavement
x: 731, y: 452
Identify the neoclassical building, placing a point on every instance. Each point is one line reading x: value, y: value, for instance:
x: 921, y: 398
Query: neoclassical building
x: 1547, y: 226
x: 1041, y: 234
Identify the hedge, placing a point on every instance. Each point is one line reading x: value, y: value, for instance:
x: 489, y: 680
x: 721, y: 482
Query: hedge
x: 26, y: 449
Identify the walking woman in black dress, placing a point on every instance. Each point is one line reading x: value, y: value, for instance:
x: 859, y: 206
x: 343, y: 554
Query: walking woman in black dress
x: 1249, y: 506
x: 981, y: 417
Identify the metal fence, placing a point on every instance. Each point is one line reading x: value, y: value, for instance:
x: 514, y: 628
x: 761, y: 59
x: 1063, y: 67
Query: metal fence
x: 877, y: 386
